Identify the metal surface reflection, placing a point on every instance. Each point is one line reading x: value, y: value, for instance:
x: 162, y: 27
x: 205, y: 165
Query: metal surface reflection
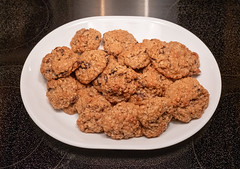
x: 102, y: 13
x: 164, y: 9
x: 146, y: 7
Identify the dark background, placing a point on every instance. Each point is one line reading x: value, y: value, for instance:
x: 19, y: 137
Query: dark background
x: 24, y: 145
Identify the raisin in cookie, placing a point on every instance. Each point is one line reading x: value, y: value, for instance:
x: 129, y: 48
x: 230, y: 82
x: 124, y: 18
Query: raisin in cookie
x: 189, y: 99
x: 116, y: 82
x: 85, y: 96
x: 46, y: 67
x: 151, y: 84
x: 121, y: 122
x: 61, y: 62
x: 149, y: 43
x: 155, y: 116
x: 142, y: 94
x: 174, y: 60
x: 91, y: 107
x: 152, y: 79
x: 116, y: 41
x: 92, y: 63
x: 85, y: 39
x: 136, y: 57
x: 71, y: 109
x: 62, y: 92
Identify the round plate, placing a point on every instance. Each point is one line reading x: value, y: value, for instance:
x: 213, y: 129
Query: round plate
x: 63, y: 127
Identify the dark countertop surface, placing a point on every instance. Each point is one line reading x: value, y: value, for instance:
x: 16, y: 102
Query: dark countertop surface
x: 24, y: 145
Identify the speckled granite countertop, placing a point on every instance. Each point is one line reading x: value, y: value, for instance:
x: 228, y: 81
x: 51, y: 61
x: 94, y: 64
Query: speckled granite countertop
x: 24, y: 145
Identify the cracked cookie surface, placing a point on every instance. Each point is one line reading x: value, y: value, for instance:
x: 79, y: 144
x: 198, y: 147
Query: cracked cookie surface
x: 155, y: 116
x: 91, y: 106
x: 189, y: 99
x: 116, y: 41
x: 136, y: 57
x: 46, y: 67
x: 116, y: 82
x: 62, y: 92
x: 152, y: 79
x: 91, y: 64
x: 71, y: 109
x: 174, y: 60
x: 121, y: 122
x: 151, y: 84
x: 85, y: 39
x: 61, y: 62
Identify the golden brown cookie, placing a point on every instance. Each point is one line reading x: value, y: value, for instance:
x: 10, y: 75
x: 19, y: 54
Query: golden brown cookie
x: 46, y: 67
x: 143, y: 94
x: 149, y: 43
x: 92, y: 63
x: 155, y: 116
x: 62, y: 92
x: 116, y: 41
x: 64, y: 62
x: 61, y: 62
x: 121, y: 122
x: 91, y: 106
x: 85, y: 96
x: 136, y: 57
x: 189, y: 99
x: 151, y: 84
x: 71, y: 109
x: 174, y: 60
x: 116, y: 82
x: 152, y: 79
x: 85, y: 39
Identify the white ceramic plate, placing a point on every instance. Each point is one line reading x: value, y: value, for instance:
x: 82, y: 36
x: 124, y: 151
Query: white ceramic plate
x: 63, y: 127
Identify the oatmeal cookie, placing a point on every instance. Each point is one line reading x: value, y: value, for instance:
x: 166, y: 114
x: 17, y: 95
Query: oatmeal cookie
x: 152, y: 79
x: 62, y: 92
x: 143, y: 94
x: 92, y: 63
x: 155, y: 116
x: 71, y: 109
x: 174, y: 60
x: 116, y: 82
x: 189, y: 99
x: 91, y: 106
x: 121, y: 122
x: 61, y: 62
x: 149, y: 43
x: 46, y: 67
x: 86, y: 39
x: 151, y: 84
x: 136, y: 57
x: 116, y: 41
x: 85, y: 96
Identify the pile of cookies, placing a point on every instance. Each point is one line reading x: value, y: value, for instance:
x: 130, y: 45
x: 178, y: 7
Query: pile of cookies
x: 129, y: 89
